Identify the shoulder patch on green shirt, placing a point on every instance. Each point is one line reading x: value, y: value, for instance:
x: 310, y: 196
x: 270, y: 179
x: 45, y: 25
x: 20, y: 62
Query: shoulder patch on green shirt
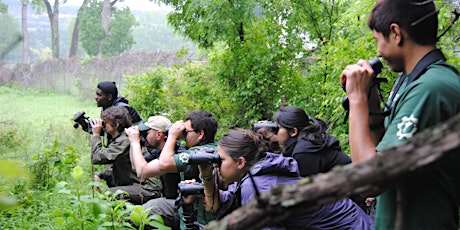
x: 181, y: 159
x: 407, y: 127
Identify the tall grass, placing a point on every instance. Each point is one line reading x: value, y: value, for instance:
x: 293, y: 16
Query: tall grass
x: 37, y: 118
x: 35, y: 123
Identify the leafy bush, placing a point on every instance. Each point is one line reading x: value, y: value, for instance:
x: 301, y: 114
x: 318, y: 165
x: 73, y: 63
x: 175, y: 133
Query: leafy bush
x: 11, y: 138
x: 52, y: 165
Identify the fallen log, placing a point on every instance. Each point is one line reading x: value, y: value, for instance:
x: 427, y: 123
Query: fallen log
x: 434, y: 145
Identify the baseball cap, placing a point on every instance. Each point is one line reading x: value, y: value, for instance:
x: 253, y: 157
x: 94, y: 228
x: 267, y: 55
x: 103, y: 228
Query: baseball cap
x: 155, y: 122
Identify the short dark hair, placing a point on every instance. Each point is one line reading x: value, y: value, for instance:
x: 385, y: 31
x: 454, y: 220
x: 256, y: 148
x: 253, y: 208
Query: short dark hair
x: 203, y: 120
x: 118, y: 115
x: 418, y: 18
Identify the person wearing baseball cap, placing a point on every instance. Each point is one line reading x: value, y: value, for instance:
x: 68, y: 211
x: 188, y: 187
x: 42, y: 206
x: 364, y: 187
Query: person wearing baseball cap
x: 159, y: 123
x: 145, y: 161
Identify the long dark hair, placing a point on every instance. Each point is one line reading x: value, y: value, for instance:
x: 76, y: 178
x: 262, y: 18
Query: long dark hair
x: 244, y: 143
x: 309, y: 128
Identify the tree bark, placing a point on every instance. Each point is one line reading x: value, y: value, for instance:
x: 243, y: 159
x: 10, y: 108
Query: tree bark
x: 25, y: 33
x: 76, y: 31
x: 435, y: 145
x: 105, y: 23
x: 53, y: 16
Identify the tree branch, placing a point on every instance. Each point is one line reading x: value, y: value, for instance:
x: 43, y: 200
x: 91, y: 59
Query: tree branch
x: 431, y: 146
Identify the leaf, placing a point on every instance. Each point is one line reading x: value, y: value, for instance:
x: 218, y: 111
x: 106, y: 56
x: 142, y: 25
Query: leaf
x: 156, y: 218
x: 60, y: 220
x: 98, y: 209
x: 65, y: 191
x: 77, y: 172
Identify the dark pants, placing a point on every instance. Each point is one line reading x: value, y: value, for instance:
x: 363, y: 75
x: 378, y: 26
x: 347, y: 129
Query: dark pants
x: 136, y: 194
x: 166, y: 209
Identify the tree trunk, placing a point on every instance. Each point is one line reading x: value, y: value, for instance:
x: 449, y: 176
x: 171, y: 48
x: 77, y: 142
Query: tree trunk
x: 105, y: 23
x: 25, y: 33
x: 438, y: 144
x: 76, y: 31
x: 53, y: 16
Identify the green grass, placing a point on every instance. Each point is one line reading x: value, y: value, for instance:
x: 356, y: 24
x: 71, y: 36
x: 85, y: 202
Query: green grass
x: 38, y: 118
x: 31, y: 123
x: 45, y: 168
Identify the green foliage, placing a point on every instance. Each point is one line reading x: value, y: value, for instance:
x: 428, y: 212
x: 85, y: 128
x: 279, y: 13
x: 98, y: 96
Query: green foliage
x: 30, y: 121
x: 52, y: 165
x: 176, y: 92
x: 119, y: 37
x: 450, y: 41
x: 13, y: 170
x: 11, y: 138
x: 3, y: 8
x: 209, y: 21
x: 147, y: 91
x: 140, y: 217
x: 90, y: 27
x: 99, y: 210
x: 11, y: 39
x: 254, y: 83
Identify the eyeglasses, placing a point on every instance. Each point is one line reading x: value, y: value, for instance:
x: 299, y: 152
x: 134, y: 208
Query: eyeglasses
x: 187, y: 131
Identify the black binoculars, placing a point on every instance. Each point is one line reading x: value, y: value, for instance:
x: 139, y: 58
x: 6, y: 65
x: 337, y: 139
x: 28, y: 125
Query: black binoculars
x: 203, y: 157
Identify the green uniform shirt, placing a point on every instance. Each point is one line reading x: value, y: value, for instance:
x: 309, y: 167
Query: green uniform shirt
x: 429, y: 198
x: 181, y: 160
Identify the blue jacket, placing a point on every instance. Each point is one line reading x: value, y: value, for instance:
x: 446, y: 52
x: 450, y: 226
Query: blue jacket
x: 276, y: 169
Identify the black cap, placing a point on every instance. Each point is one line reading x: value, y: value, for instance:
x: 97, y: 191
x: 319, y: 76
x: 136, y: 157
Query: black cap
x: 108, y: 87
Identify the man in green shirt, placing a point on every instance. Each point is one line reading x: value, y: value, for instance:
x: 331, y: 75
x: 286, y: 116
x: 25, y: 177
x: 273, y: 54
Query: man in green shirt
x: 425, y: 94
x: 199, y: 131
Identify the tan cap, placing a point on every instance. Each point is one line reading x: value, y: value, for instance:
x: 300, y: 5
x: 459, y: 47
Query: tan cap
x: 155, y: 122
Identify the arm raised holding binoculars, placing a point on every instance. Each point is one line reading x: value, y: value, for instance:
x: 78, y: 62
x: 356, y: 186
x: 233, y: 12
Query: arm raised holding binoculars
x: 167, y: 163
x: 357, y: 79
x: 143, y: 168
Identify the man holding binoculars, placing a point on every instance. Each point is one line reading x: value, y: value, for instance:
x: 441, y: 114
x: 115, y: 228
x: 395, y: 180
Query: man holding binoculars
x: 425, y: 94
x: 198, y: 130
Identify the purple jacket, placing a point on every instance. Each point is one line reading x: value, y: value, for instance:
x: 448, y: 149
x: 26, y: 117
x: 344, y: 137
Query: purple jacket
x: 276, y: 169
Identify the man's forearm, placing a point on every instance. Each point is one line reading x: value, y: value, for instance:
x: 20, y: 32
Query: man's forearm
x: 362, y: 146
x: 137, y: 158
x: 166, y: 160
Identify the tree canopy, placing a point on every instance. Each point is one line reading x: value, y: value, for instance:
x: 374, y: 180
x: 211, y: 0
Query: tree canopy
x: 119, y: 37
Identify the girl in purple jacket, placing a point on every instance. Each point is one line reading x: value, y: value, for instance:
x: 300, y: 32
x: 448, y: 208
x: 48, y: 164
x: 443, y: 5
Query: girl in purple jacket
x: 244, y: 155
